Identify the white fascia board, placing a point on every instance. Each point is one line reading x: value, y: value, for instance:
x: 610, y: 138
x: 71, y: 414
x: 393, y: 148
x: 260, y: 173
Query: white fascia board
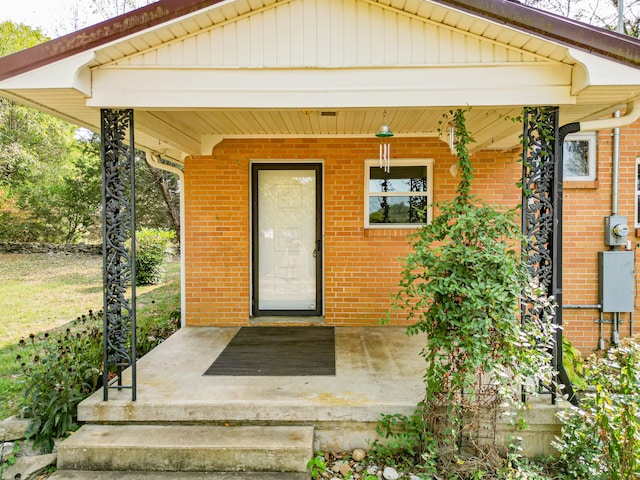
x: 481, y: 85
x: 593, y: 70
x: 72, y: 72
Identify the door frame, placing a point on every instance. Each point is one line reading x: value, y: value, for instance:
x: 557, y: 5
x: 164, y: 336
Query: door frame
x: 316, y: 166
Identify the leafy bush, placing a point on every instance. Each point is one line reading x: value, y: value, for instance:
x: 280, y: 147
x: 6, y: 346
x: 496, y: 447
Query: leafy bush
x: 60, y: 370
x: 573, y: 364
x: 601, y: 438
x: 154, y: 331
x: 153, y: 249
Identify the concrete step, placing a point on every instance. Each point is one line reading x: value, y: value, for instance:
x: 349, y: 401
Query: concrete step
x: 94, y: 475
x: 187, y: 448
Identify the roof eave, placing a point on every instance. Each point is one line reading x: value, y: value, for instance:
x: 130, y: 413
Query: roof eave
x: 600, y: 41
x: 98, y: 35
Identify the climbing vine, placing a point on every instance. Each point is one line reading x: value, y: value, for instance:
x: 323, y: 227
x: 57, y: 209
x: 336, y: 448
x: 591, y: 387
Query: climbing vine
x: 463, y: 285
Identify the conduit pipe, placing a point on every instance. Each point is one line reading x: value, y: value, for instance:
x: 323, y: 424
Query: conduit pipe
x: 616, y: 168
x: 155, y: 160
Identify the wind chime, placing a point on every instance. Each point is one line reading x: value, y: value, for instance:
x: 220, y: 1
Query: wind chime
x: 385, y: 147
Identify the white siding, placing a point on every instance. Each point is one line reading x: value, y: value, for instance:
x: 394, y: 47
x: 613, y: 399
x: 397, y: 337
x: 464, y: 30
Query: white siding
x: 331, y: 34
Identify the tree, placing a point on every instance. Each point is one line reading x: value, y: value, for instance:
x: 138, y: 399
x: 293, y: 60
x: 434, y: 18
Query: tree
x: 170, y: 190
x: 82, y: 13
x: 16, y: 36
x: 50, y: 178
x: 157, y: 197
x: 602, y: 13
x: 113, y: 8
x: 35, y: 150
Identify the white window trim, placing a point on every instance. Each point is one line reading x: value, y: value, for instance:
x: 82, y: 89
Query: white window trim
x: 590, y: 137
x: 398, y: 162
x: 637, y: 190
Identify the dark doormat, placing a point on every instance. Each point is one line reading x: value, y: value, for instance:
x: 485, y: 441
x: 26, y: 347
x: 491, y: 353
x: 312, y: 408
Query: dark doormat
x: 278, y: 351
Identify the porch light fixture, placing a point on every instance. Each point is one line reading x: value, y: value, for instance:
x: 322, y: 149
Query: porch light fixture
x: 385, y: 147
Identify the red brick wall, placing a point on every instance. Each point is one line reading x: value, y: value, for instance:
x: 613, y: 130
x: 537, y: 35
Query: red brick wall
x: 361, y: 265
x: 585, y: 206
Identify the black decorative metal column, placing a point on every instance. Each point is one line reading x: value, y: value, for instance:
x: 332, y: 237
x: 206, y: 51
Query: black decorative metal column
x: 118, y: 221
x: 542, y: 213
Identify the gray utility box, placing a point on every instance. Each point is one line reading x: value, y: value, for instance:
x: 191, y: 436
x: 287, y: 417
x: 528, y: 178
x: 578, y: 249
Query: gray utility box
x: 616, y: 280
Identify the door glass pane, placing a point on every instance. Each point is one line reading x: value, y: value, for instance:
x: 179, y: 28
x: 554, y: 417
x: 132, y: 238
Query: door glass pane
x: 286, y: 239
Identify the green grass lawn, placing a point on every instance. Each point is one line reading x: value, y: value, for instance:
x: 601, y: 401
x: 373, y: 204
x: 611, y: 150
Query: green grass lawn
x: 42, y: 292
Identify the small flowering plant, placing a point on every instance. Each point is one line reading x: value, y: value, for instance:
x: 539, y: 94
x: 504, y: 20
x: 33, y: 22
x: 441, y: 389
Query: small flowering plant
x: 60, y: 370
x: 601, y: 438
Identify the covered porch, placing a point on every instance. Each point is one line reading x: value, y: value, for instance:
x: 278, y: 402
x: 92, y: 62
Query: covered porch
x: 378, y: 371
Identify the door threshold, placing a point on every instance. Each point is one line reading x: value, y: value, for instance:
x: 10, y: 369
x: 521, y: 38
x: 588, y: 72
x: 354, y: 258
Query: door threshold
x: 287, y: 319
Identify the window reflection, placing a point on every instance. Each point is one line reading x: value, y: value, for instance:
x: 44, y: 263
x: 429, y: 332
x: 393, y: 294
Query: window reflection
x: 576, y: 158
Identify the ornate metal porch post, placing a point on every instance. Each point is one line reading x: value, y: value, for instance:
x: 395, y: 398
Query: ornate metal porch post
x: 542, y: 212
x: 118, y: 224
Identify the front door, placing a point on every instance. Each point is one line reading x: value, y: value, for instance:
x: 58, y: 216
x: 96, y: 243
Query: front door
x: 287, y: 239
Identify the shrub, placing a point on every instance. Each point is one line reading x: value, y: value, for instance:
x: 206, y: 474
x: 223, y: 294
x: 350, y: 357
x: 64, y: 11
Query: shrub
x: 573, y: 364
x: 153, y: 248
x: 601, y: 438
x: 404, y: 441
x: 153, y: 332
x: 63, y: 368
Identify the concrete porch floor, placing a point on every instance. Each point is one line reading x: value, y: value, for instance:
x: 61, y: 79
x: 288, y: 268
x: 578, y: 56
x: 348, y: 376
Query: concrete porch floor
x: 378, y: 370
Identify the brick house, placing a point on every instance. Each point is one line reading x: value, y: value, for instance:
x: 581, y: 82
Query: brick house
x: 268, y: 111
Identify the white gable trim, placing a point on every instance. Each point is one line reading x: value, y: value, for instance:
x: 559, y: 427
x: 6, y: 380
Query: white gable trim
x: 332, y: 34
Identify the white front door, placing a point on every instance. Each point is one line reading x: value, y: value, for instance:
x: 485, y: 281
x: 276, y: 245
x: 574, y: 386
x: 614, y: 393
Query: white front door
x: 287, y: 245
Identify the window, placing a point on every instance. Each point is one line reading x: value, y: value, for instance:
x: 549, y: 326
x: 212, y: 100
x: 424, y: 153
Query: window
x: 398, y: 198
x: 579, y: 156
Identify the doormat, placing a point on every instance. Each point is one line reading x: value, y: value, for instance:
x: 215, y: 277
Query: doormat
x: 278, y: 351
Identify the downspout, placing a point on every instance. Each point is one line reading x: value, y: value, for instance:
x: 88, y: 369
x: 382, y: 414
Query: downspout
x: 616, y: 168
x: 631, y: 114
x: 156, y: 161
